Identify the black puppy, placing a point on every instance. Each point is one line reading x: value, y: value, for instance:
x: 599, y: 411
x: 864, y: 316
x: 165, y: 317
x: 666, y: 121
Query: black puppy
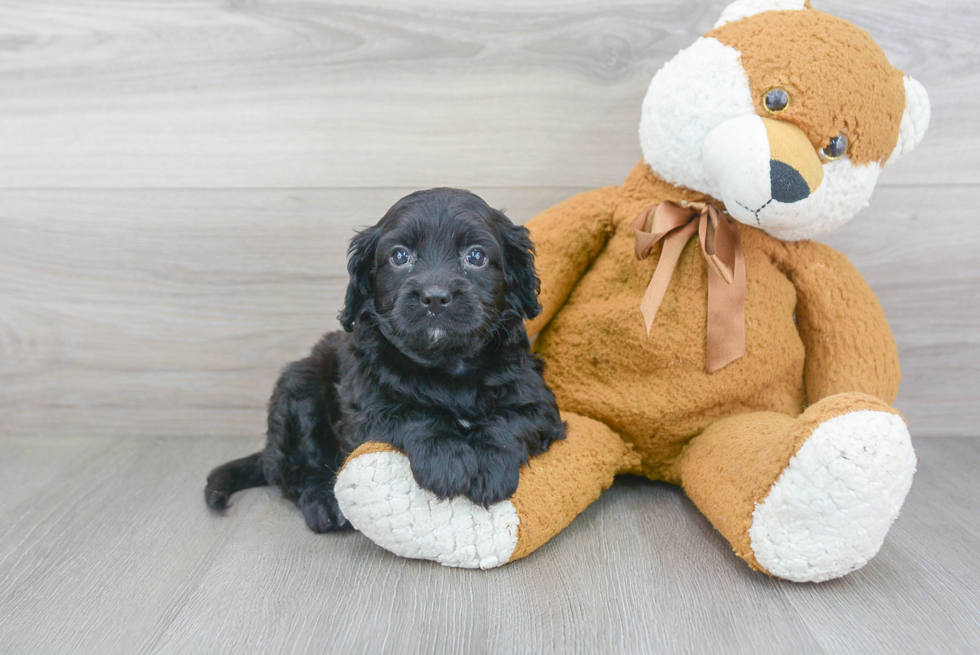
x: 436, y: 363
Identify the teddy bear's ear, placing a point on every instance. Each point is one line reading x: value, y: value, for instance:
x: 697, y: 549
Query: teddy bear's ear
x: 744, y: 8
x: 915, y: 118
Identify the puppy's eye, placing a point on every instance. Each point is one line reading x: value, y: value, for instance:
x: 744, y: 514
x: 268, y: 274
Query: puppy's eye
x: 476, y: 257
x: 836, y: 149
x: 776, y: 100
x: 400, y: 257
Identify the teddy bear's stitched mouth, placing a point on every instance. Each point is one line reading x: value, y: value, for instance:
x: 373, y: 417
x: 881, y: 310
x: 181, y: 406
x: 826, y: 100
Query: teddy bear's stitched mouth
x: 755, y: 212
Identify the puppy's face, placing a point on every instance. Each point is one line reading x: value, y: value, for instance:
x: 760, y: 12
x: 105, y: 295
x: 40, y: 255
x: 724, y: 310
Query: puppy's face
x: 439, y: 281
x: 442, y: 269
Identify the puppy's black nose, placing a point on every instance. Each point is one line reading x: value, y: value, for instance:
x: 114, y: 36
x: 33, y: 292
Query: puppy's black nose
x: 435, y: 298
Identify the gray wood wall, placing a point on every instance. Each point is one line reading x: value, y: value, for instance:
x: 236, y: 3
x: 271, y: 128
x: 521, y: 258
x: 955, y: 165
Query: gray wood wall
x: 178, y: 181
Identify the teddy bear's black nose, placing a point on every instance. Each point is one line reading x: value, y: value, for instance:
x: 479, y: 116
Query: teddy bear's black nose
x: 786, y: 183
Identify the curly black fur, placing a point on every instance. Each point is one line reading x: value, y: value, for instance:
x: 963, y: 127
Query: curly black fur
x: 435, y: 361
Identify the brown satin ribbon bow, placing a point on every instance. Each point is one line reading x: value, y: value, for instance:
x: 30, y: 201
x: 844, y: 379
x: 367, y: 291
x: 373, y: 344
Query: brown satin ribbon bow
x: 722, y: 250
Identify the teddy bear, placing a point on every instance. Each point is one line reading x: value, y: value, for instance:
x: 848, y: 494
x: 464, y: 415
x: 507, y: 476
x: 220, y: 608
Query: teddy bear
x: 693, y: 334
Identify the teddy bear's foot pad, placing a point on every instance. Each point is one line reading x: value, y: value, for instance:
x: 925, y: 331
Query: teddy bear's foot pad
x: 379, y: 496
x: 829, y: 511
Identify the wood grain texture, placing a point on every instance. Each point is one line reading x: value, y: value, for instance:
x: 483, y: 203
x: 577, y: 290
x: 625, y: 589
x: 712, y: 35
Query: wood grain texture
x: 118, y: 554
x: 170, y: 311
x: 202, y: 93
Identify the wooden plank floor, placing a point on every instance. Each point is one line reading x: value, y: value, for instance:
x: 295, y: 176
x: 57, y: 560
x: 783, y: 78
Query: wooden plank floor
x: 106, y: 547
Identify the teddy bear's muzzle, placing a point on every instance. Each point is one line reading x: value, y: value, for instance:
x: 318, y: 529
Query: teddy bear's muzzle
x: 759, y: 161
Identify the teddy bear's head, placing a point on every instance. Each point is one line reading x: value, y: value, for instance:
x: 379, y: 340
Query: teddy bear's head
x: 783, y: 113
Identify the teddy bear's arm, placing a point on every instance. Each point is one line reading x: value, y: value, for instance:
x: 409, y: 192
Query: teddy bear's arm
x: 379, y: 495
x: 567, y: 238
x: 849, y: 346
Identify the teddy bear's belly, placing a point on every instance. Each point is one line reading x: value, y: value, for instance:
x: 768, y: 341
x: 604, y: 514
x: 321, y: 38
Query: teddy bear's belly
x: 655, y: 392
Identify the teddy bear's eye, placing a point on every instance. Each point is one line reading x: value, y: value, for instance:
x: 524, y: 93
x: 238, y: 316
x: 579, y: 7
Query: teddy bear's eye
x: 776, y: 100
x: 836, y: 149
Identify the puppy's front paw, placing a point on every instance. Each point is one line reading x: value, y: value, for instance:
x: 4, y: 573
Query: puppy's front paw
x: 496, y: 479
x: 321, y: 511
x: 444, y: 467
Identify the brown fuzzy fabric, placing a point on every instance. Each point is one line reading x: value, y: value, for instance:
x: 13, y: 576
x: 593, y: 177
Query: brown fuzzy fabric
x: 558, y: 485
x: 839, y: 78
x: 801, y: 298
x: 729, y: 468
x: 817, y: 340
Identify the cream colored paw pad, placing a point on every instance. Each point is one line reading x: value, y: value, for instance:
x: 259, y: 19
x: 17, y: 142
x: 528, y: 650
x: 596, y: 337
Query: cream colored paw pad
x: 380, y: 498
x: 829, y: 511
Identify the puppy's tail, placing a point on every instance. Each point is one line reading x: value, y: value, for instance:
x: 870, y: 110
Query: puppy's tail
x: 234, y: 476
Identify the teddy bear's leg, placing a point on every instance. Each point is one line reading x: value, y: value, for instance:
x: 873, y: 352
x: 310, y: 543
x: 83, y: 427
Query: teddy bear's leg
x: 808, y: 498
x: 379, y: 496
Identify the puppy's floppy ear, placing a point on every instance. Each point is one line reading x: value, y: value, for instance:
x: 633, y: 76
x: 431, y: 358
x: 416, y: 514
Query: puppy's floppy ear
x: 360, y: 266
x: 520, y: 279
